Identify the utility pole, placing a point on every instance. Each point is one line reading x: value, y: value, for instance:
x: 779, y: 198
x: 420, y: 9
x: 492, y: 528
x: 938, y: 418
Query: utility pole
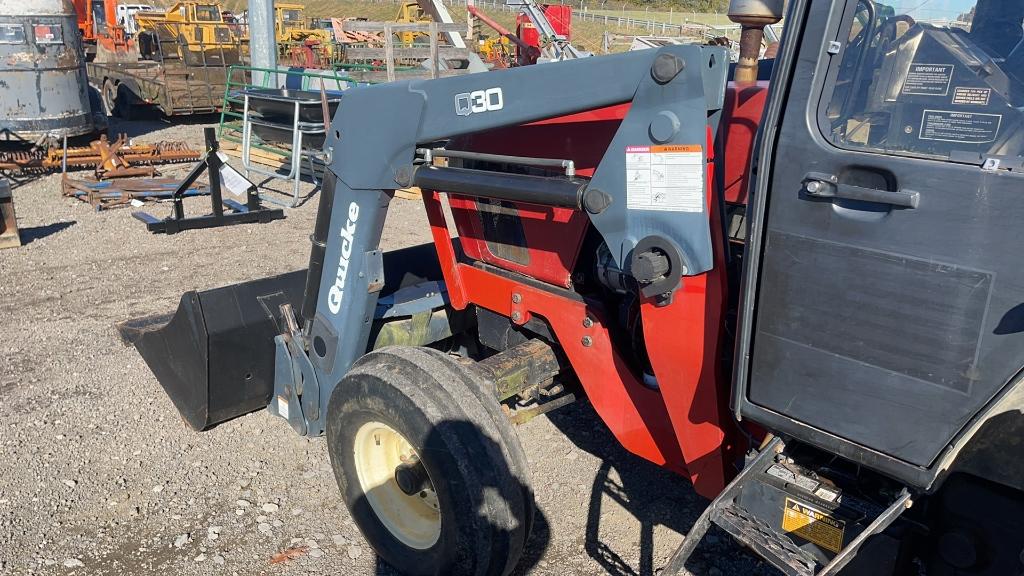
x: 262, y: 39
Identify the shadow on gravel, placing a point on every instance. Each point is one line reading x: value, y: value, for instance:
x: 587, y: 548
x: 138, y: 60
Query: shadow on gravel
x: 29, y: 235
x: 653, y: 496
x: 540, y: 537
x: 145, y: 121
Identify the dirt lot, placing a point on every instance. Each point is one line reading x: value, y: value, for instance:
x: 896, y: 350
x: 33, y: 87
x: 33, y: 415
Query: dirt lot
x: 100, y: 475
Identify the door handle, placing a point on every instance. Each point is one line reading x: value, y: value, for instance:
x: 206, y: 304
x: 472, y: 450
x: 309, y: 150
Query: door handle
x: 827, y: 186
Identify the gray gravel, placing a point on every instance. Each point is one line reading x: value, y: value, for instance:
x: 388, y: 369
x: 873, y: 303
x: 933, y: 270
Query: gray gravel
x: 101, y: 476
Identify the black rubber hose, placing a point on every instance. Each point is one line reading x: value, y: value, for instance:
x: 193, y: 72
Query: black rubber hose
x: 319, y: 248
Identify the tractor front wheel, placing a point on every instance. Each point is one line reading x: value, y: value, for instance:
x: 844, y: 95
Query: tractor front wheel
x: 428, y: 465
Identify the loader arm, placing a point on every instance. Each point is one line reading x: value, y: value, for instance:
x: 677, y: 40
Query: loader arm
x: 675, y: 96
x: 668, y: 238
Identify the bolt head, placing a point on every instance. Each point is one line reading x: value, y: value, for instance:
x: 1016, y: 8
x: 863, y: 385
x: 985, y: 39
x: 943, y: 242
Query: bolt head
x: 813, y: 186
x: 587, y: 341
x: 587, y: 322
x: 517, y: 298
x: 516, y: 316
x: 666, y: 67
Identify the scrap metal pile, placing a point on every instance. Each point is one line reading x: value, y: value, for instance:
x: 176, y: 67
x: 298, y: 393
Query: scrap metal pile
x: 103, y: 155
x: 123, y: 170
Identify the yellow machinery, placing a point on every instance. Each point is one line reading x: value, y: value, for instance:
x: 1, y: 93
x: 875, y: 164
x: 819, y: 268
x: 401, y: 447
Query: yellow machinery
x: 303, y: 44
x: 411, y: 13
x: 193, y: 31
x: 497, y: 50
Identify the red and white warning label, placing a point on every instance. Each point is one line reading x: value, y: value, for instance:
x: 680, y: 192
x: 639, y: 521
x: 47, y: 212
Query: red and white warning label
x: 669, y: 178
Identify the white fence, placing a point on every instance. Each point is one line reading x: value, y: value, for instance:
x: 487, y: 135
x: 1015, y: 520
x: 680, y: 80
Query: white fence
x: 689, y: 29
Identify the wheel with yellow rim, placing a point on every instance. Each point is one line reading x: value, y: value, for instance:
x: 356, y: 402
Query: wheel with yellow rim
x: 428, y: 465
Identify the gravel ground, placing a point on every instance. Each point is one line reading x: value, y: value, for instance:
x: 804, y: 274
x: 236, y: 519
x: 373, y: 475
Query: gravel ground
x: 101, y: 476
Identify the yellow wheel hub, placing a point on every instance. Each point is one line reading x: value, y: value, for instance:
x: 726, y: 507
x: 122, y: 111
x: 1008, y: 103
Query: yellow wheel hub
x: 414, y: 519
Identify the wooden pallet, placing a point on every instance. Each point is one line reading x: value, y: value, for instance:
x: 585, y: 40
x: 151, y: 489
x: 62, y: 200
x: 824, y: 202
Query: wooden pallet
x: 274, y: 160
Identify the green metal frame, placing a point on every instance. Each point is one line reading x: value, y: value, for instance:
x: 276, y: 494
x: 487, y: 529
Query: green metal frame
x: 231, y: 121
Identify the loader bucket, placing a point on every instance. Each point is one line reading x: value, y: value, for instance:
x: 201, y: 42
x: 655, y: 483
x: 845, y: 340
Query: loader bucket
x: 214, y: 356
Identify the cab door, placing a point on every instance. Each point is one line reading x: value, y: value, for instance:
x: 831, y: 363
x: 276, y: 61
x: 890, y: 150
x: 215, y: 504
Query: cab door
x: 885, y: 282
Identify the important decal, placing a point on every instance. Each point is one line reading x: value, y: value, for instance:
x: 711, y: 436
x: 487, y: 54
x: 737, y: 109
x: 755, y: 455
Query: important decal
x: 667, y: 178
x: 971, y: 96
x: 347, y: 233
x: 962, y: 127
x: 928, y: 79
x: 813, y: 525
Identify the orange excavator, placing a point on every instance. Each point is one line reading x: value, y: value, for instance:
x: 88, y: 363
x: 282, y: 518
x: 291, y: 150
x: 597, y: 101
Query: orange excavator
x: 103, y: 37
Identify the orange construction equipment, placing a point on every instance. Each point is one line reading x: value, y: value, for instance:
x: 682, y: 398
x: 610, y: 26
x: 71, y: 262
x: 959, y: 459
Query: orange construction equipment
x: 103, y: 36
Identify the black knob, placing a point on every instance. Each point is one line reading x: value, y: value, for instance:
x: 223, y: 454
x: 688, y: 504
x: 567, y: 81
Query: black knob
x: 649, y: 266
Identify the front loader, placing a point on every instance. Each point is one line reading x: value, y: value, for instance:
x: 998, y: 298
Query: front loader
x: 801, y: 294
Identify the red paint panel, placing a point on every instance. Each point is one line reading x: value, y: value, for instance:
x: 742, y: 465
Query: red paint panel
x: 635, y: 414
x: 687, y: 364
x: 553, y: 236
x: 744, y: 107
x: 560, y: 16
x: 685, y: 425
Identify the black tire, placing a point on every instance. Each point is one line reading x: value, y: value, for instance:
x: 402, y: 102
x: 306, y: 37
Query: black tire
x: 118, y: 100
x: 126, y: 103
x: 469, y: 450
x: 148, y: 45
x: 99, y: 113
x: 109, y: 97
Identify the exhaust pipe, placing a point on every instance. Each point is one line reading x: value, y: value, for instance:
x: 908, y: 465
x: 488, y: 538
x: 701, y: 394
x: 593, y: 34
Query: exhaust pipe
x: 753, y: 15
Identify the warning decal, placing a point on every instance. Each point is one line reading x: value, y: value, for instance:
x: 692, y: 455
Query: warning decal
x: 813, y: 525
x: 928, y: 79
x: 964, y: 127
x: 972, y: 96
x: 668, y: 178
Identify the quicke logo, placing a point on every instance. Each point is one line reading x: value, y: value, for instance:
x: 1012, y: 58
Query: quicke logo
x: 347, y: 234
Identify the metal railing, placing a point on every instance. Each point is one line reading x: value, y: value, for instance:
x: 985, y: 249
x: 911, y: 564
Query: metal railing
x: 241, y: 78
x: 685, y: 28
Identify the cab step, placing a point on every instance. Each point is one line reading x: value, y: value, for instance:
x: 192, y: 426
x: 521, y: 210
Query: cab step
x: 792, y: 518
x: 778, y: 549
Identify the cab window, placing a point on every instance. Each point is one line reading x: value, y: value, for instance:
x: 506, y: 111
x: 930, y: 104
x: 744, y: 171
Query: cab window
x: 207, y: 13
x: 931, y: 79
x: 291, y: 18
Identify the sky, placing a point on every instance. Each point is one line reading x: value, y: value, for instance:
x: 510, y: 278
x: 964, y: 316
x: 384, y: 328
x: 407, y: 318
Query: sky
x: 931, y: 9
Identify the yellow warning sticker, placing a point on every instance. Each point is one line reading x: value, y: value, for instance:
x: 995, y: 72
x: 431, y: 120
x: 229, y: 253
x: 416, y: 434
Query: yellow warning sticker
x: 813, y: 525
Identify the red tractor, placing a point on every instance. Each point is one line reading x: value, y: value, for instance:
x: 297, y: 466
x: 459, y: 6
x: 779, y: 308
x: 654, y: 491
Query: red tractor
x: 802, y: 295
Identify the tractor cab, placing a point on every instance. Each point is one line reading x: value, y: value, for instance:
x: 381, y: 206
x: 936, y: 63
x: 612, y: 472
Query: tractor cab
x: 880, y: 334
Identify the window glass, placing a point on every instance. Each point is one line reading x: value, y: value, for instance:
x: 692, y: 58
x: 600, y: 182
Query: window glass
x: 207, y: 13
x: 48, y: 34
x: 291, y: 18
x: 12, y: 34
x: 935, y: 78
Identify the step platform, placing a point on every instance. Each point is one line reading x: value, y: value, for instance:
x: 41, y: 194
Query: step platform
x: 804, y: 515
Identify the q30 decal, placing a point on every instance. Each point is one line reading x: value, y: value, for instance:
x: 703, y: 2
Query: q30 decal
x: 477, y: 101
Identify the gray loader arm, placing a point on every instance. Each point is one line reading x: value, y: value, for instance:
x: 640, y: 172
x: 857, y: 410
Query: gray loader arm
x: 676, y: 92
